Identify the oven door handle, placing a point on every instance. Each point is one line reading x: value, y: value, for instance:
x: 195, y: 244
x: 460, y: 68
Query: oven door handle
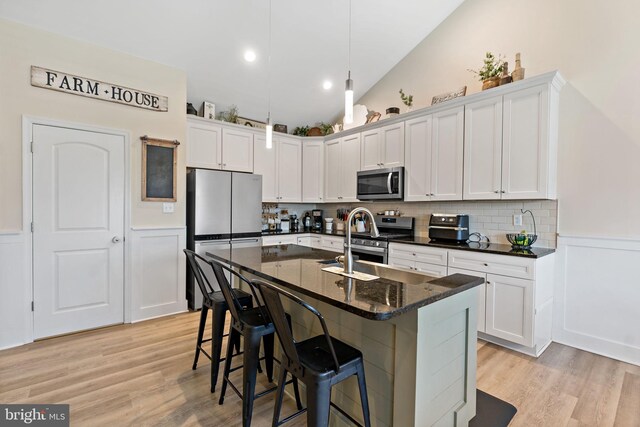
x: 372, y: 249
x: 389, y: 182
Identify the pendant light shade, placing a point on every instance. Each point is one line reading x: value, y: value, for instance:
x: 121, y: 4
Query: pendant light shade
x: 269, y: 143
x: 348, y: 100
x: 348, y: 89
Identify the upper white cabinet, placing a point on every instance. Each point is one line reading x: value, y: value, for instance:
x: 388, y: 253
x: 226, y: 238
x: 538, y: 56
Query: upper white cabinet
x: 434, y: 156
x: 280, y: 167
x: 204, y: 146
x: 237, y: 150
x: 382, y: 147
x: 342, y: 162
x: 313, y: 171
x: 511, y: 144
x: 212, y: 146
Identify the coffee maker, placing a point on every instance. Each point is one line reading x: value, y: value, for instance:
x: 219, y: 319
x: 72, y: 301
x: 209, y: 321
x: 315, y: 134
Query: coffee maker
x: 316, y: 214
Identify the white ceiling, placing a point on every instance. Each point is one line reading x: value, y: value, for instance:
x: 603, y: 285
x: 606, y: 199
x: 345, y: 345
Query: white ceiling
x: 208, y: 38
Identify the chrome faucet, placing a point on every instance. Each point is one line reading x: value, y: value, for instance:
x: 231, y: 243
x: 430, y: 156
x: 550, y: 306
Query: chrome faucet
x: 348, y: 258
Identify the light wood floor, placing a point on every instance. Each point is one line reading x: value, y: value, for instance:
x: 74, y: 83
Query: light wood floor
x: 141, y: 375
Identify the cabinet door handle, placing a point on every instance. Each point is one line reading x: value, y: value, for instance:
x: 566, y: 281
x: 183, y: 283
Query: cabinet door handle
x: 486, y: 265
x: 488, y: 282
x: 497, y: 191
x: 224, y: 164
x: 503, y: 191
x: 413, y: 254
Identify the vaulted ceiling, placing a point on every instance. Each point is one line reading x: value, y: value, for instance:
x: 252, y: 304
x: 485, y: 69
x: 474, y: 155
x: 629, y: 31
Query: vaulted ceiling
x: 207, y: 39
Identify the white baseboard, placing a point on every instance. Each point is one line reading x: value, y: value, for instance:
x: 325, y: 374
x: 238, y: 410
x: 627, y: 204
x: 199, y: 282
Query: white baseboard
x: 597, y: 296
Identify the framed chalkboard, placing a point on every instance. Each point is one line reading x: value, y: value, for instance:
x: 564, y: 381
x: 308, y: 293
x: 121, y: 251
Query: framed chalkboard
x: 159, y: 169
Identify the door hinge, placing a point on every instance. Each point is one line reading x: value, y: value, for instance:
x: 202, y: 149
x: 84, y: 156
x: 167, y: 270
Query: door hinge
x: 32, y: 306
x: 32, y: 226
x: 32, y: 146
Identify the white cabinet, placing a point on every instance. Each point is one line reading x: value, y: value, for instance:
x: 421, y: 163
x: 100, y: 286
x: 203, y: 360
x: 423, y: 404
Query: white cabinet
x: 382, y: 147
x: 281, y: 169
x: 237, y: 150
x: 431, y: 261
x: 213, y: 146
x: 334, y: 244
x: 511, y: 145
x: 304, y: 240
x: 515, y: 303
x: 434, y: 156
x: 280, y: 239
x: 509, y: 309
x: 342, y: 162
x: 312, y: 171
x: 204, y: 146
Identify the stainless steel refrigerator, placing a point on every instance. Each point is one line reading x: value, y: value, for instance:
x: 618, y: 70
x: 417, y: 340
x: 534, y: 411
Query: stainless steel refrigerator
x: 224, y: 209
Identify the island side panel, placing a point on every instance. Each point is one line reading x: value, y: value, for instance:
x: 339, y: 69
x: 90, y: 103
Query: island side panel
x: 435, y: 369
x: 376, y: 340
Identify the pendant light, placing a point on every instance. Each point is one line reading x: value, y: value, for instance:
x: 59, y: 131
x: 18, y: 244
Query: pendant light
x: 348, y: 90
x: 269, y: 137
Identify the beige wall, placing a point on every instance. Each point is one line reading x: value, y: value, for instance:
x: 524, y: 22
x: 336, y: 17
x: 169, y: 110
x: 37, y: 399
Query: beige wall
x: 594, y: 45
x: 21, y: 47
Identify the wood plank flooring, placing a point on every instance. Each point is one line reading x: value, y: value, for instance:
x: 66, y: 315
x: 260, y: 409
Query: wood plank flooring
x: 140, y: 375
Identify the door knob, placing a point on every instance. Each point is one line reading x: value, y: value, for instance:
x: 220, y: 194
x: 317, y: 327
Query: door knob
x: 115, y: 239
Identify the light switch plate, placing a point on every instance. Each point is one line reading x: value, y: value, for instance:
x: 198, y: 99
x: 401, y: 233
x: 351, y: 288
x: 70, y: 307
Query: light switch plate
x: 517, y: 219
x: 167, y: 207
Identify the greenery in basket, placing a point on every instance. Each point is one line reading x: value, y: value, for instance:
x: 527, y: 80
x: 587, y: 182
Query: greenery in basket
x: 301, y: 131
x: 326, y: 128
x: 492, y: 67
x: 406, y: 99
x: 231, y: 115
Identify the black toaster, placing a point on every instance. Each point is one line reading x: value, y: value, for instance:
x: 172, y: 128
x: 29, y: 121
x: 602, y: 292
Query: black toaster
x: 449, y: 227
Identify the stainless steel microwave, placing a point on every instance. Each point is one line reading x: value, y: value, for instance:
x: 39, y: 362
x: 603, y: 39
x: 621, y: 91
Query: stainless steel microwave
x: 381, y: 184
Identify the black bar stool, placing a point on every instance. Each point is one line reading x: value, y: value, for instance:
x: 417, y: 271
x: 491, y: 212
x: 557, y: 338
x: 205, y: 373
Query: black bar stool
x: 252, y: 324
x: 214, y: 301
x: 319, y: 362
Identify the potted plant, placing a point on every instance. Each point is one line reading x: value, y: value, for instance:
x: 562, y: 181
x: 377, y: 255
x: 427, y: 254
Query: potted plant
x: 231, y: 115
x: 490, y: 72
x: 406, y: 99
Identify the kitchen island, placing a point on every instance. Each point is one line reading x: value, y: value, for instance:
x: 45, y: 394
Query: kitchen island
x: 417, y: 333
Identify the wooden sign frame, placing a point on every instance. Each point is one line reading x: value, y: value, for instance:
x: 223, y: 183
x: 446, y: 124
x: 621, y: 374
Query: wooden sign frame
x: 447, y: 96
x: 159, y: 169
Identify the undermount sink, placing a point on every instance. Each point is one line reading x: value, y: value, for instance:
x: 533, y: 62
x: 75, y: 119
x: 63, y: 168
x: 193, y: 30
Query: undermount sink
x: 383, y: 271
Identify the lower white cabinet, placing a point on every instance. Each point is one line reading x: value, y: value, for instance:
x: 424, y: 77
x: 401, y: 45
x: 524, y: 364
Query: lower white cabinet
x: 332, y: 243
x: 515, y: 303
x: 280, y: 239
x: 431, y: 261
x: 304, y: 241
x: 509, y: 309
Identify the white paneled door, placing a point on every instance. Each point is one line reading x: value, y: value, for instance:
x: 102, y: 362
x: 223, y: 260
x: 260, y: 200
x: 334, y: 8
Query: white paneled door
x: 78, y: 218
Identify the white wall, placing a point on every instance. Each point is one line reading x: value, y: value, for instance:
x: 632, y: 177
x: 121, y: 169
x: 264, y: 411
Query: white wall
x: 20, y: 48
x: 595, y: 48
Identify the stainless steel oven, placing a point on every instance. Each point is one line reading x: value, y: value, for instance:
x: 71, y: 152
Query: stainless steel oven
x: 369, y: 250
x: 381, y: 184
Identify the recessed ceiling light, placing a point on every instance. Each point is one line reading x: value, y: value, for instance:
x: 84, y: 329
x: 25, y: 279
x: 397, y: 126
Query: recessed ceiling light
x: 249, y: 56
x: 326, y: 85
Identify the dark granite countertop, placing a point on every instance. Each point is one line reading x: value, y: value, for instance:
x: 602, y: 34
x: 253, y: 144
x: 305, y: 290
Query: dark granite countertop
x: 340, y: 233
x: 299, y: 268
x: 489, y: 248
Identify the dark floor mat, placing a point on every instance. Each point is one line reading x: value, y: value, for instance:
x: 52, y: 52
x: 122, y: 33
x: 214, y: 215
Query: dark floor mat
x: 491, y: 411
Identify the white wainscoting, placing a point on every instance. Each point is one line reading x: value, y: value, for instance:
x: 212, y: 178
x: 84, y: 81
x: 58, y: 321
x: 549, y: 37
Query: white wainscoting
x: 157, y: 272
x: 15, y: 291
x: 597, y: 296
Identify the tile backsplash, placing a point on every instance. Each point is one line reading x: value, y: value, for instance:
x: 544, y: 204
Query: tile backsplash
x: 491, y: 218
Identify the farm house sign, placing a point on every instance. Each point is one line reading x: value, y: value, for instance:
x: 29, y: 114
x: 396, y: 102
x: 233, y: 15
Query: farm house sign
x: 76, y: 85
